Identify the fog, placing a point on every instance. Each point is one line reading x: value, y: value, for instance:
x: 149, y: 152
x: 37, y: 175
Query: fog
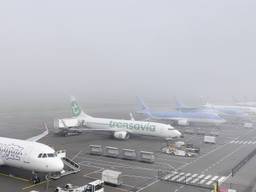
x: 116, y: 50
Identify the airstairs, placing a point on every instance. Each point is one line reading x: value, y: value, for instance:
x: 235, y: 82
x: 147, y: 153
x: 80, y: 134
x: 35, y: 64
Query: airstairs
x: 70, y: 166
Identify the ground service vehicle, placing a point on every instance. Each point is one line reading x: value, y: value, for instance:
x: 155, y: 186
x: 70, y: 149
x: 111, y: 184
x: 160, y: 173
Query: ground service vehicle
x: 95, y: 186
x: 210, y: 139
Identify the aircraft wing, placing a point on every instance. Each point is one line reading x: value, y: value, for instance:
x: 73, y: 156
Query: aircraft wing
x: 167, y: 118
x: 38, y: 137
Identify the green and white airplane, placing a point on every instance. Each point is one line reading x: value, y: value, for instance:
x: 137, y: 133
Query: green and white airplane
x: 121, y: 129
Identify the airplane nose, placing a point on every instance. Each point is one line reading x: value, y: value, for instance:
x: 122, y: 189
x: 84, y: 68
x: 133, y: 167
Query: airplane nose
x: 56, y: 166
x: 60, y: 165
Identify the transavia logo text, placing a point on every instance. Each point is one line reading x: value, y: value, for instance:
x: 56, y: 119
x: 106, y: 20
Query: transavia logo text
x: 135, y: 126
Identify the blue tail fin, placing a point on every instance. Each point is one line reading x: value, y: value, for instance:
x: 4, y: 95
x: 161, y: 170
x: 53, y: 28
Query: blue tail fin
x: 142, y: 107
x: 180, y: 105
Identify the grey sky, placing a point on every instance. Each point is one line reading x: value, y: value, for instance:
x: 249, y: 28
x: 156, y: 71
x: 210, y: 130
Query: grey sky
x: 120, y: 49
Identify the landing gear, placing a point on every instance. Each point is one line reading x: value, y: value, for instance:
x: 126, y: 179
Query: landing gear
x: 35, y: 178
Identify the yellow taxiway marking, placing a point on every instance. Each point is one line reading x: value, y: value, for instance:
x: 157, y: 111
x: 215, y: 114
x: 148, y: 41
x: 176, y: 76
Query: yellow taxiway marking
x: 34, y: 185
x: 15, y: 177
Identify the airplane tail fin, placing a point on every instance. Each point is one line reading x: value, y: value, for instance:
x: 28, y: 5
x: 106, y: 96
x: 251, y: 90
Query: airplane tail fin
x: 180, y: 105
x: 76, y: 109
x: 142, y: 107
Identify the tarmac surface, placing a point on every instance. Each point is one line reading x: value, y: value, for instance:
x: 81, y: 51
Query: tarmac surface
x: 214, y: 162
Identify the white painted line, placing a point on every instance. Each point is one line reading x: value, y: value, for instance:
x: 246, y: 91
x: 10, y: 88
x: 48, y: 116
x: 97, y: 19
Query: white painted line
x: 170, y: 175
x: 150, y: 184
x: 188, y: 179
x: 97, y: 171
x: 73, y: 158
x: 221, y: 179
x: 209, y: 182
x: 138, y: 176
x: 194, y: 175
x: 202, y: 181
x: 232, y: 141
x: 195, y: 180
x: 236, y: 141
x: 188, y: 174
x: 176, y: 176
x: 179, y: 188
x: 181, y: 178
x: 240, y: 142
x: 212, y: 180
x: 254, y: 142
x: 208, y: 177
x: 249, y: 142
x: 245, y: 142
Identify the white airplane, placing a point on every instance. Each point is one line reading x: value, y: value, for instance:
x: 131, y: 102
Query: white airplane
x: 29, y: 154
x: 121, y: 129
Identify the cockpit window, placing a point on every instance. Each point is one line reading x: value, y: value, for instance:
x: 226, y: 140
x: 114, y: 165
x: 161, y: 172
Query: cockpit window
x: 51, y: 155
x: 45, y: 155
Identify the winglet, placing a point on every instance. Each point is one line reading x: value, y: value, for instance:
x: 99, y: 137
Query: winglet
x: 132, y: 118
x: 143, y: 108
x: 38, y: 137
x: 179, y: 105
x: 141, y: 104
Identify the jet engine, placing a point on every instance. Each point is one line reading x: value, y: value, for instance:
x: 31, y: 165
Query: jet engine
x: 121, y: 135
x: 183, y: 122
